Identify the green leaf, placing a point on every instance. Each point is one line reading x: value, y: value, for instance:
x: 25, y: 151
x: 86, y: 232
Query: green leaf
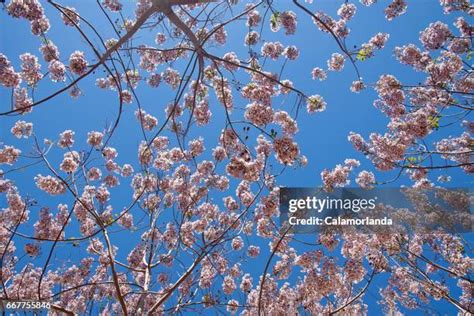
x: 434, y: 122
x: 364, y: 53
x: 274, y: 19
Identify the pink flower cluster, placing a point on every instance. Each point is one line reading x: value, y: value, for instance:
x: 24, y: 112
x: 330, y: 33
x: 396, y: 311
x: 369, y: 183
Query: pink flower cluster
x: 336, y: 62
x: 94, y: 138
x: 22, y: 129
x: 71, y: 161
x: 272, y: 50
x: 253, y: 18
x: 32, y: 11
x: 30, y: 69
x: 315, y: 103
x: 338, y: 177
x: 70, y: 17
x: 286, y: 150
x: 23, y: 103
x: 347, y: 11
x: 50, y: 184
x: 394, y: 9
x: 148, y: 121
x: 366, y: 179
x: 50, y: 51
x: 66, y: 139
x: 9, y: 155
x: 8, y: 77
x: 319, y: 73
x: 391, y: 95
x: 288, y: 124
x: 435, y: 35
x: 288, y: 20
x: 259, y: 114
x: 246, y: 170
x: 458, y: 149
x: 57, y: 71
x: 78, y: 63
x: 112, y: 5
x: 291, y: 52
x: 357, y: 86
x: 172, y: 77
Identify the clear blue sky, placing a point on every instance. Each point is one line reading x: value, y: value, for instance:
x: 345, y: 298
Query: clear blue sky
x: 322, y: 137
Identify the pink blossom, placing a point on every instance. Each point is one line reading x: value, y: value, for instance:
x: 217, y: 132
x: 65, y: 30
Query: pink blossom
x: 40, y: 26
x: 95, y: 139
x: 259, y: 114
x: 228, y: 286
x: 30, y: 10
x: 50, y: 51
x: 338, y: 177
x: 411, y: 55
x: 365, y: 179
x: 112, y: 5
x: 232, y: 306
x: 57, y: 71
x: 220, y: 36
x: 126, y: 96
x: 368, y: 2
x: 286, y: 150
x: 30, y: 69
x: 66, y: 139
x: 49, y: 184
x: 394, y: 9
x: 9, y: 155
x: 237, y: 243
x: 172, y: 77
x: 319, y: 73
x: 94, y: 174
x: 357, y: 86
x: 127, y: 170
x: 70, y: 162
x: 22, y: 129
x: 70, y: 17
x: 78, y: 63
x: 379, y: 40
x: 288, y: 21
x: 23, y: 103
x: 253, y: 251
x: 246, y: 283
x: 232, y: 62
x: 336, y: 62
x: 253, y: 18
x: 154, y: 80
x: 288, y: 124
x: 315, y: 103
x: 347, y: 11
x: 272, y: 50
x: 32, y: 249
x: 435, y: 35
x: 160, y: 38
x: 391, y: 94
x: 252, y: 38
x: 148, y: 121
x: 291, y: 52
x: 8, y: 77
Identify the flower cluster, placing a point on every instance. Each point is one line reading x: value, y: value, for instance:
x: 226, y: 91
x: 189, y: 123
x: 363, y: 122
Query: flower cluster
x: 22, y: 129
x: 8, y: 77
x: 30, y: 69
x: 78, y: 63
x: 338, y: 177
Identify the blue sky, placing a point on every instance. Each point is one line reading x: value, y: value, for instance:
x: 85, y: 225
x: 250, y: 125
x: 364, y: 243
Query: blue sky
x: 322, y: 137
